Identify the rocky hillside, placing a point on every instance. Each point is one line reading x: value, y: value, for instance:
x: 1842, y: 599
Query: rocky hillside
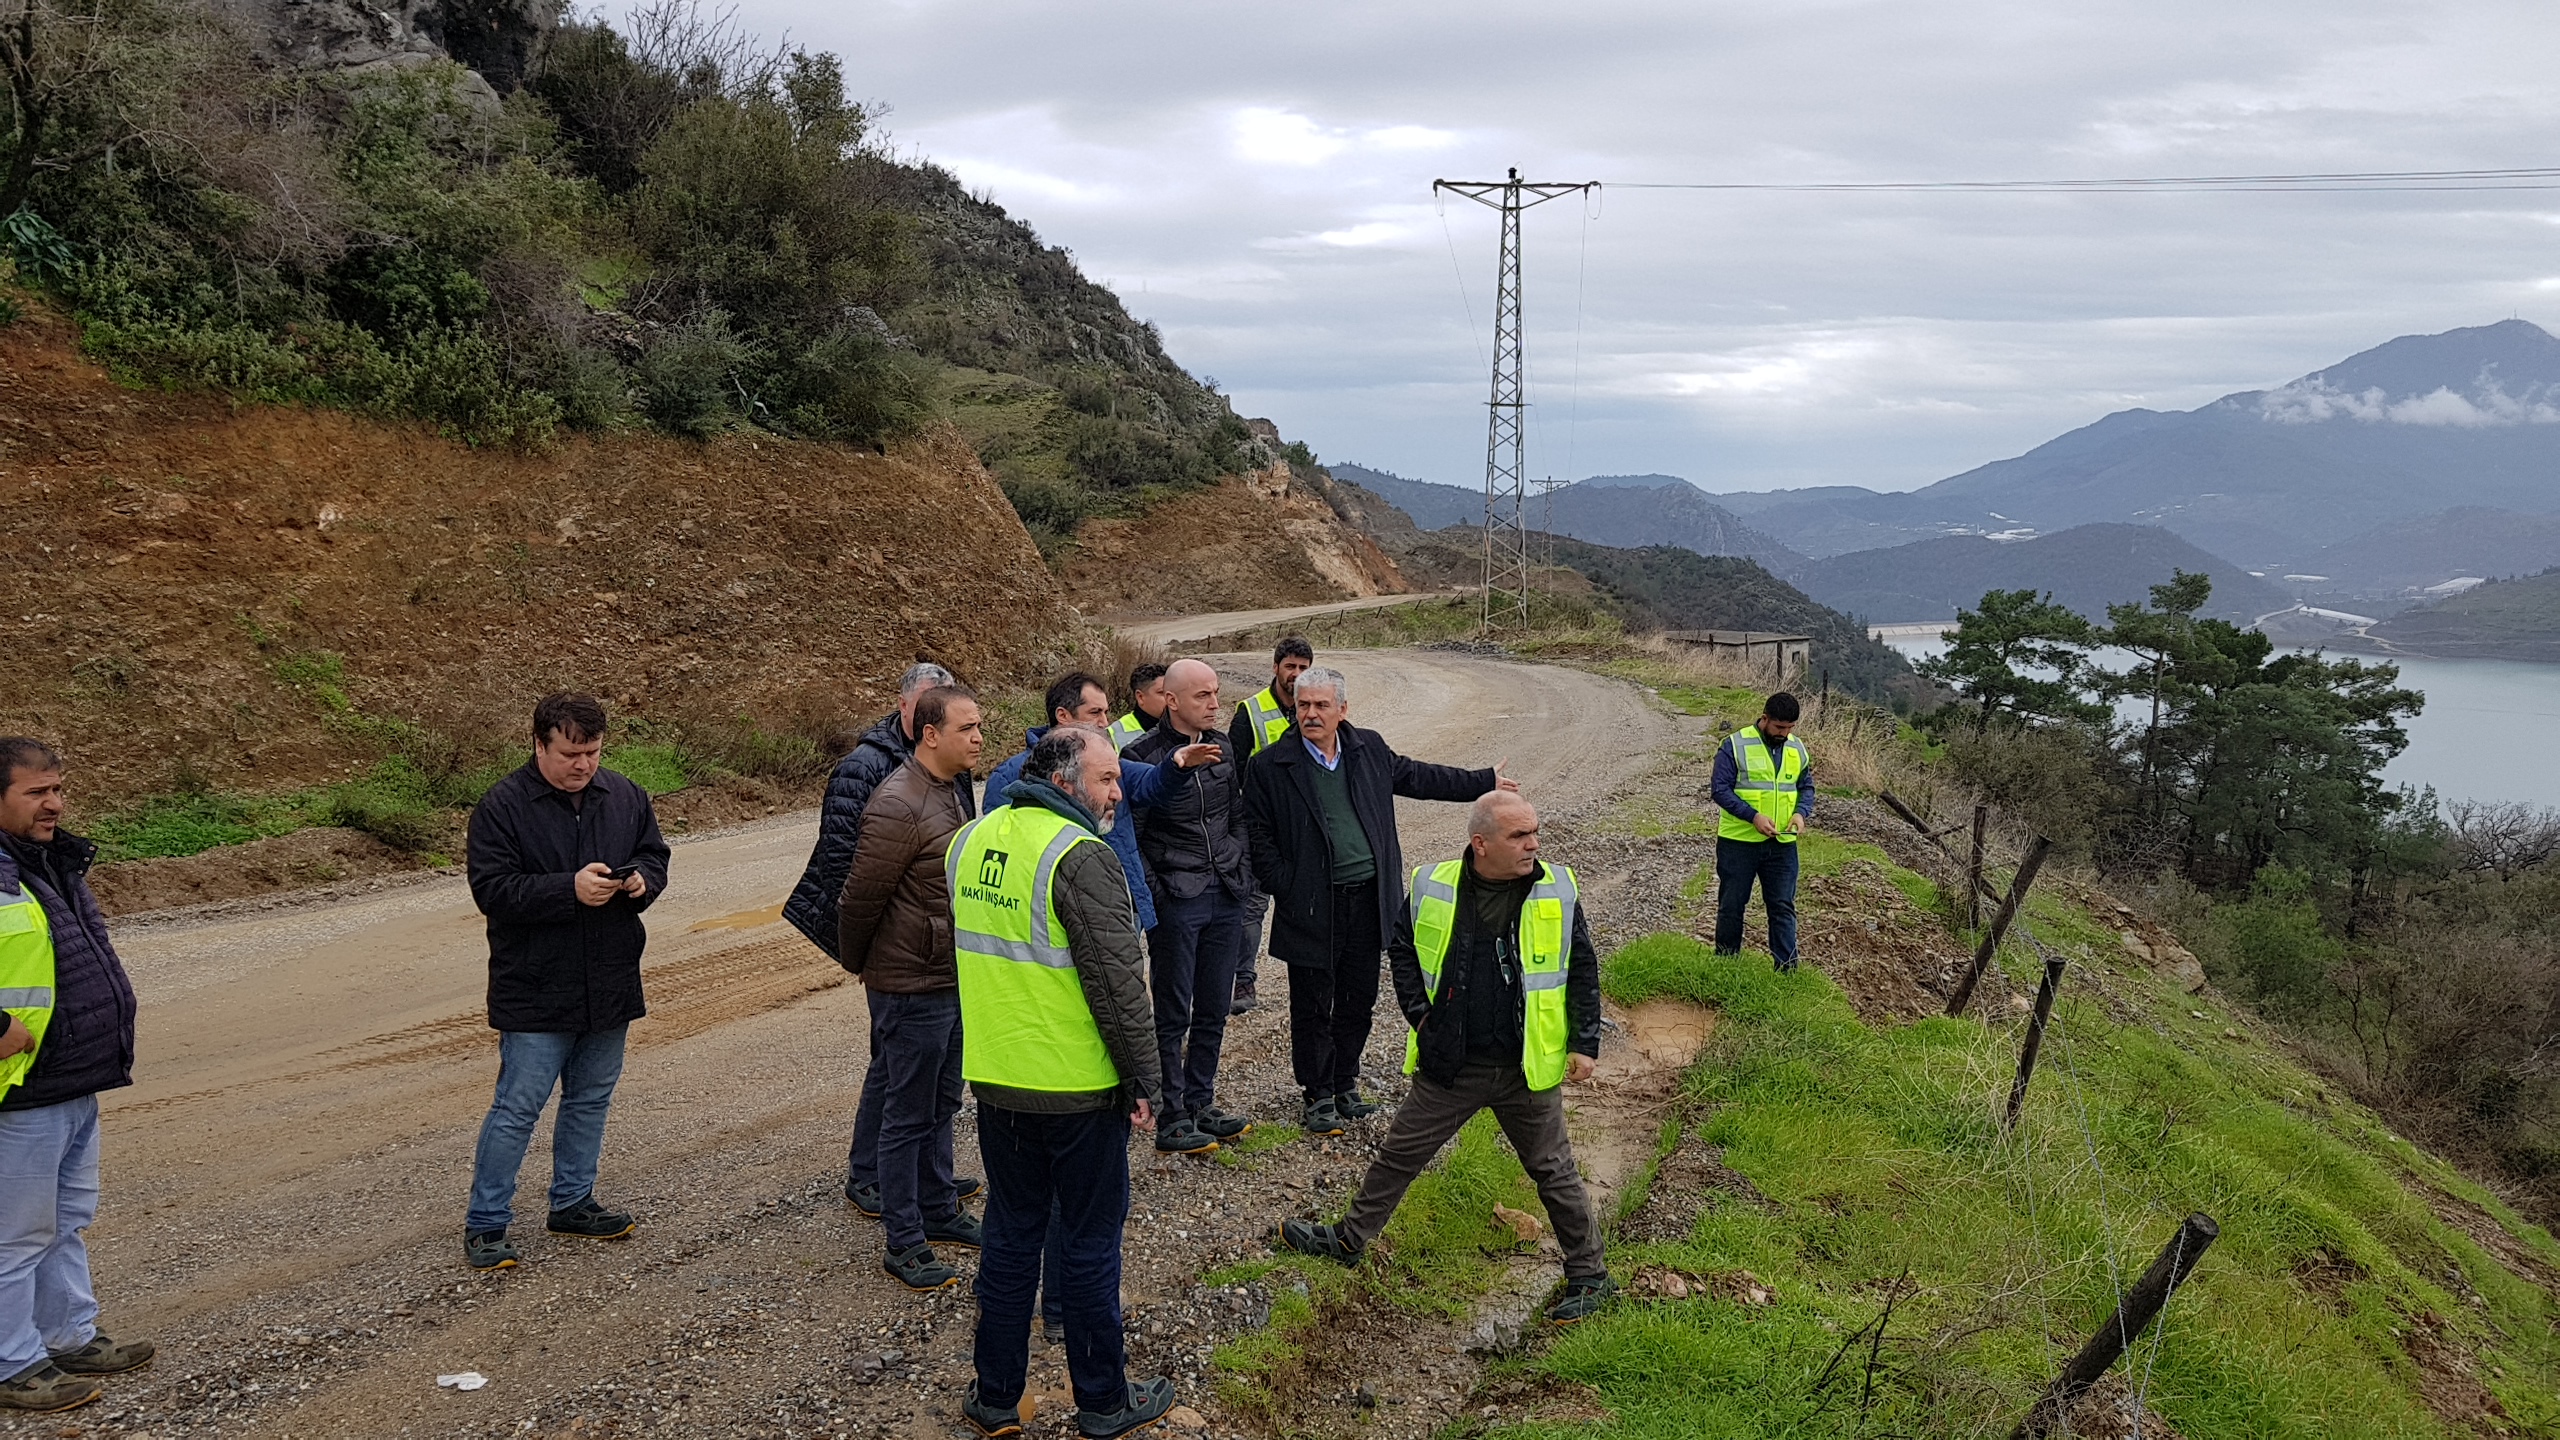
x: 200, y: 596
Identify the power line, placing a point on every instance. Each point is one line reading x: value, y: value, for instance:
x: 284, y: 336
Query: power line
x: 2516, y: 178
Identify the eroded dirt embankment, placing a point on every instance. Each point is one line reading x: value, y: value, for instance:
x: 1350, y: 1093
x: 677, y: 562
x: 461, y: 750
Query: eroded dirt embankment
x: 176, y: 572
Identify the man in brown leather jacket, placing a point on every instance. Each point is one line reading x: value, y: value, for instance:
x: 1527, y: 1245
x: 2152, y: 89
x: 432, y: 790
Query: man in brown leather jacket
x: 894, y: 922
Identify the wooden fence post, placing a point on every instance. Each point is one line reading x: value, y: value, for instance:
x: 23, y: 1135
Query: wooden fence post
x: 2034, y: 1041
x: 1973, y: 872
x: 2134, y: 1315
x: 1999, y: 925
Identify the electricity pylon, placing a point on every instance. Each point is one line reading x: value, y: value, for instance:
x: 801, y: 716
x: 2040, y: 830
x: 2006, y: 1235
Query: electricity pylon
x: 1507, y: 562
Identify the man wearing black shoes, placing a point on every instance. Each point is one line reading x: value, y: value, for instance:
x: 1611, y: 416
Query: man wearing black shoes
x: 1194, y: 846
x: 894, y: 932
x: 564, y: 855
x: 1320, y: 810
x: 1062, y: 1057
x: 1495, y: 972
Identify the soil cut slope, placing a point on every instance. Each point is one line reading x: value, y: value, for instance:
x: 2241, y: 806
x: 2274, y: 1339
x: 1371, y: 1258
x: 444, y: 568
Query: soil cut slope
x: 194, y: 593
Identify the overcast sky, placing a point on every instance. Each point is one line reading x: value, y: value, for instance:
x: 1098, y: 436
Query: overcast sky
x: 1256, y: 180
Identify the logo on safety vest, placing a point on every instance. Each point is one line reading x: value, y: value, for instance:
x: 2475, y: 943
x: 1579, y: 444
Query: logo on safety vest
x: 991, y: 868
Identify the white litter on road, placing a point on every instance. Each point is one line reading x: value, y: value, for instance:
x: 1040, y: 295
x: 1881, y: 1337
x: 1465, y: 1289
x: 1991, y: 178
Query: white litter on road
x: 467, y: 1380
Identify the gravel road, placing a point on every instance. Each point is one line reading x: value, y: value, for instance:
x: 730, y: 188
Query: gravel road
x: 283, y: 1187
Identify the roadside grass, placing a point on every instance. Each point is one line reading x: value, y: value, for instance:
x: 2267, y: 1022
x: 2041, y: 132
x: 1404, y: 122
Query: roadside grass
x: 2333, y: 1289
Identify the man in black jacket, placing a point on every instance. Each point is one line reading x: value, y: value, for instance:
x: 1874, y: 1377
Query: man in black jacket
x: 1476, y: 1047
x: 66, y: 1033
x: 1320, y: 810
x: 564, y: 855
x: 882, y: 749
x: 1252, y: 729
x: 1193, y: 842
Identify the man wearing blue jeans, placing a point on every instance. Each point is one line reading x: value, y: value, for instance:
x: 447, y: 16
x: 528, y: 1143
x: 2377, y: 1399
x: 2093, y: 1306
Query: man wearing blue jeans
x: 564, y: 855
x: 1763, y: 783
x: 66, y: 1033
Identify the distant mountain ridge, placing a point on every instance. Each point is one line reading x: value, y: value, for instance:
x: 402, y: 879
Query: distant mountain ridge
x: 2087, y: 567
x: 2502, y: 620
x: 1616, y: 510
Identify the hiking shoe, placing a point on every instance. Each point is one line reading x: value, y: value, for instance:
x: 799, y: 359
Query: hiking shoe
x: 1183, y: 1136
x: 1221, y: 1125
x: 1311, y: 1237
x: 1580, y: 1300
x: 1784, y: 967
x: 1321, y: 1118
x: 991, y: 1420
x: 1351, y: 1106
x: 1245, y: 999
x: 916, y: 1268
x: 102, y: 1356
x: 44, y: 1386
x: 1052, y: 1332
x: 1147, y: 1402
x: 590, y: 1221
x: 967, y: 1186
x: 866, y: 1198
x: 489, y: 1250
x: 962, y: 1228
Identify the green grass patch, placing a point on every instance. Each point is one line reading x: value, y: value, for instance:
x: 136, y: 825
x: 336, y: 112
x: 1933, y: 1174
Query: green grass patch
x: 1264, y: 1137
x: 660, y: 769
x: 1881, y: 1152
x: 1736, y: 704
x: 162, y: 826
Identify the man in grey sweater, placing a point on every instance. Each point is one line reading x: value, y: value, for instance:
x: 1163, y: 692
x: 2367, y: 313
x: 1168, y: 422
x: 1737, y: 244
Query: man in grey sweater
x: 1062, y: 1057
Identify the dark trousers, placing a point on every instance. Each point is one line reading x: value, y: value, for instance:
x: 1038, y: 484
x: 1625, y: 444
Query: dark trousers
x: 1433, y: 1115
x: 1331, y: 1007
x: 1257, y: 910
x: 1191, y: 974
x: 1074, y: 1168
x: 1738, y: 863
x: 915, y: 1049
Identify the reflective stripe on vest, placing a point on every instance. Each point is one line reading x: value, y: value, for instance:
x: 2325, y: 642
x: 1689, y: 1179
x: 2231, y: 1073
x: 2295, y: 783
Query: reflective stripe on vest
x: 1769, y: 790
x: 26, y: 976
x: 1270, y: 722
x: 1125, y: 729
x: 1024, y: 1022
x: 1546, y: 937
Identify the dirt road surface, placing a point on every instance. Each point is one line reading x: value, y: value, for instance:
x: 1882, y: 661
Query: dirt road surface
x: 1194, y: 627
x: 284, y: 1185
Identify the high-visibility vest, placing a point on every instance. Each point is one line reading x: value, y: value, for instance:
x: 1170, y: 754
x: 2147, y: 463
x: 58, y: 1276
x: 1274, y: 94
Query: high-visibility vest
x: 26, y: 975
x: 1769, y: 789
x: 1127, y: 728
x: 1270, y: 718
x: 1546, y: 934
x: 1023, y: 1016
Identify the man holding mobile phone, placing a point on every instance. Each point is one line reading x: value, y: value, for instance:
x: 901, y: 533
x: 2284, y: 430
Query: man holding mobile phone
x: 564, y: 855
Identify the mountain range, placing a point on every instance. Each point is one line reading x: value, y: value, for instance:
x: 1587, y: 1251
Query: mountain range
x: 2382, y: 481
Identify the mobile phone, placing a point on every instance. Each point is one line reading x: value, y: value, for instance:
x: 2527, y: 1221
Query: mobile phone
x: 622, y: 873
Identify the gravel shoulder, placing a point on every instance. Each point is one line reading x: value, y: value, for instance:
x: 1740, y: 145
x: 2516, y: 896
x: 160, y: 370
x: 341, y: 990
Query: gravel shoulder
x: 283, y: 1187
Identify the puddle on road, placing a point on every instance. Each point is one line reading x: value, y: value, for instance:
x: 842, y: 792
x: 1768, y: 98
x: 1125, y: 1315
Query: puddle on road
x: 739, y: 920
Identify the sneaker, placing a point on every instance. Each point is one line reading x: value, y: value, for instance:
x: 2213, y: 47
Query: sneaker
x: 1221, y: 1125
x: 1580, y: 1300
x: 489, y: 1250
x: 916, y: 1268
x: 1351, y: 1106
x: 1245, y: 999
x: 1147, y: 1402
x: 1321, y: 1118
x: 962, y: 1228
x: 968, y: 1186
x: 991, y: 1420
x: 44, y: 1386
x: 590, y: 1221
x: 1182, y: 1136
x: 102, y: 1356
x: 866, y: 1198
x: 1311, y: 1237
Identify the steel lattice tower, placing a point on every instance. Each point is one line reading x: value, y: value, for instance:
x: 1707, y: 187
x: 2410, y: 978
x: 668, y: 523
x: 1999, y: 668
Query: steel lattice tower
x: 1508, y: 564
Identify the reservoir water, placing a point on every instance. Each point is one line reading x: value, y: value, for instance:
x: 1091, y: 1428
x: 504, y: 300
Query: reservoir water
x: 2491, y: 729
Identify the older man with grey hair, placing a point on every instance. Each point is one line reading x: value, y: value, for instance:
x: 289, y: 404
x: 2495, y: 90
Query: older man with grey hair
x: 813, y: 908
x: 1320, y: 814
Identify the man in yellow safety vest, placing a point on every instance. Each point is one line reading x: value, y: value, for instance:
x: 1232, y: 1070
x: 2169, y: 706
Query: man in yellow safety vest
x: 1495, y: 973
x: 1260, y: 719
x: 1062, y: 1055
x: 1147, y: 696
x: 66, y: 1033
x: 1763, y: 781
